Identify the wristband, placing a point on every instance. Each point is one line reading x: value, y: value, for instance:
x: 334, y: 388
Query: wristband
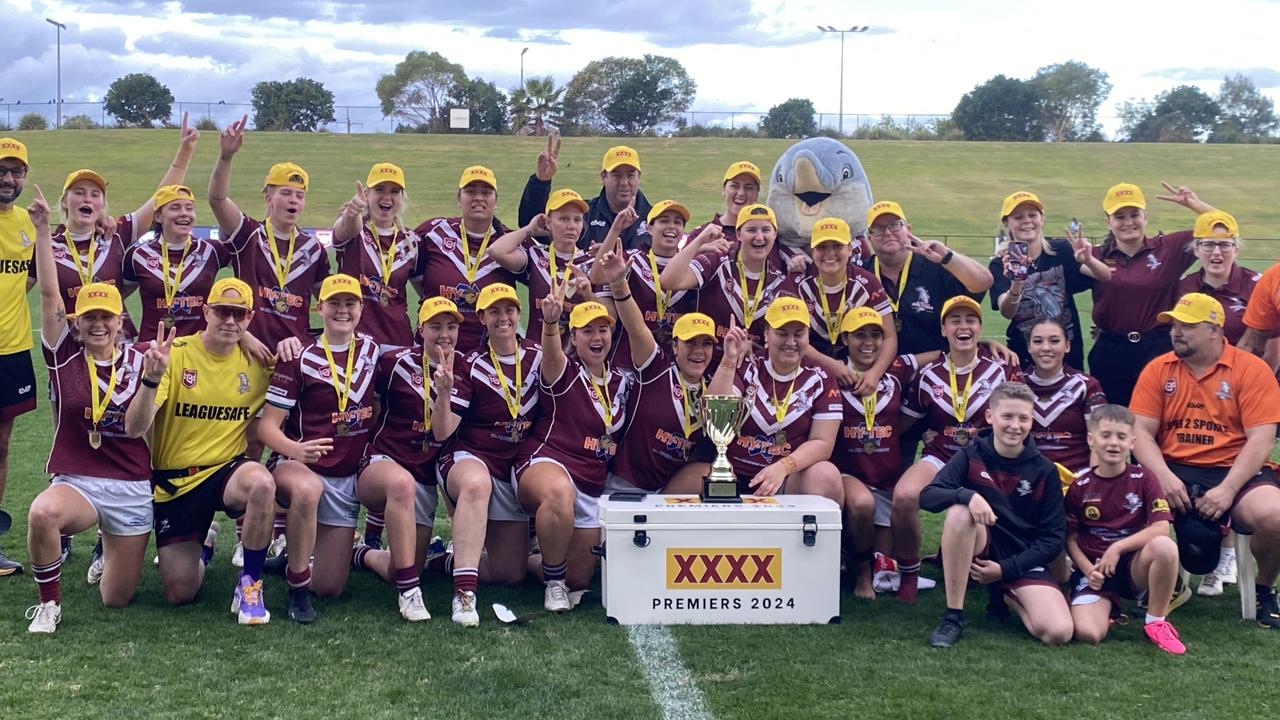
x: 623, y: 298
x: 789, y: 464
x: 947, y: 258
x: 153, y: 384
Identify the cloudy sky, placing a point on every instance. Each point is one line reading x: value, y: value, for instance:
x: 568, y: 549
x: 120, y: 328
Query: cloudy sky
x: 919, y: 56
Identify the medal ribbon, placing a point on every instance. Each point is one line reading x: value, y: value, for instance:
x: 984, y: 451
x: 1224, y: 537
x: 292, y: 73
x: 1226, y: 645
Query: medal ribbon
x: 749, y: 306
x: 465, y: 244
x: 902, y: 280
x: 98, y: 401
x: 386, y: 259
x: 511, y: 396
x: 426, y: 393
x: 663, y: 298
x: 343, y: 389
x: 780, y: 409
x: 86, y: 277
x: 959, y: 400
x: 551, y: 253
x: 602, y: 394
x: 171, y: 283
x: 281, y: 266
x: 833, y: 323
x: 689, y: 419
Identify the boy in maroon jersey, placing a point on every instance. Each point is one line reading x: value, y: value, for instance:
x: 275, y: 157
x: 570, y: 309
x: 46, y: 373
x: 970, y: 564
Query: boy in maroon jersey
x: 1004, y: 522
x: 1118, y: 536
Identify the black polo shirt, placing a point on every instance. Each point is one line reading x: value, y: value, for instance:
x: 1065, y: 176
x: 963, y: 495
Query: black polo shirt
x: 919, y: 309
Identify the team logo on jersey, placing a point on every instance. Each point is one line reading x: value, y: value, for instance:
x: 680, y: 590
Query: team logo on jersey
x: 1024, y: 487
x: 1132, y: 502
x: 188, y: 378
x: 1224, y: 390
x: 26, y: 239
x: 1092, y: 512
x: 923, y: 303
x: 1170, y: 386
x: 417, y: 379
x: 244, y: 383
x: 1159, y: 505
x: 938, y: 391
x: 723, y: 568
x: 1153, y: 262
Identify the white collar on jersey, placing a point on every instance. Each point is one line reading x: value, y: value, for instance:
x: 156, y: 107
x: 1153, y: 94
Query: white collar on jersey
x: 768, y: 366
x: 1036, y: 379
x: 967, y: 368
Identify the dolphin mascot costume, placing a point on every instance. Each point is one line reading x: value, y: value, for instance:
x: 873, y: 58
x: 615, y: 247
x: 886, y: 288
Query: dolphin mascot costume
x: 816, y: 178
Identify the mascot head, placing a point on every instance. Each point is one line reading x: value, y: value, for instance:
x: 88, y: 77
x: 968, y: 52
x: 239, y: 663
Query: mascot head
x: 818, y: 178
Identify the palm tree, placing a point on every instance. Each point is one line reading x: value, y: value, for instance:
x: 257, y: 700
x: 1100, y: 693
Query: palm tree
x: 536, y: 105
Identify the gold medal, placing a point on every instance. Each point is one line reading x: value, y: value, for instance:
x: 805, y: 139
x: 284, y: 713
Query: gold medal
x: 869, y: 446
x: 99, y: 401
x: 515, y: 431
x: 426, y: 444
x: 384, y: 299
x: 282, y: 305
x: 95, y: 439
x: 780, y: 438
x: 343, y: 388
x: 963, y: 435
x: 343, y: 429
x: 168, y: 321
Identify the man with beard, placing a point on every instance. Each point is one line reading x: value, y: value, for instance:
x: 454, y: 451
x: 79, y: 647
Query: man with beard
x: 17, y: 378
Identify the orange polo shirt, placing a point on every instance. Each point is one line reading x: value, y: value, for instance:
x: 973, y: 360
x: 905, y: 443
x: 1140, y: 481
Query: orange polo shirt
x: 1202, y: 420
x: 1263, y: 309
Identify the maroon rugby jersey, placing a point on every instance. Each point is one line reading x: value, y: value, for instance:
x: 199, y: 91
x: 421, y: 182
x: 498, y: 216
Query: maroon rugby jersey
x: 764, y: 440
x: 385, y: 316
x: 144, y: 268
x: 641, y: 285
x: 654, y: 444
x: 486, y: 428
x: 1061, y: 406
x: 537, y: 276
x: 120, y: 457
x: 108, y: 265
x: 729, y: 232
x: 305, y: 387
x: 861, y: 289
x: 878, y: 464
x: 1102, y: 510
x: 253, y: 263
x: 1141, y: 286
x: 571, y: 427
x: 444, y: 272
x: 719, y: 293
x: 401, y: 427
x: 1234, y: 296
x: 930, y: 398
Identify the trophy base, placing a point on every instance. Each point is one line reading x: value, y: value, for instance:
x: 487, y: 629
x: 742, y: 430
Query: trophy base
x: 720, y: 491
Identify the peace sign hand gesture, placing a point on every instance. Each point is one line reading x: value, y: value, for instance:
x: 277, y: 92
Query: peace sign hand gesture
x: 549, y: 159
x: 442, y: 378
x: 553, y: 304
x: 1181, y: 195
x: 38, y: 210
x: 1080, y: 244
x: 232, y: 138
x: 611, y: 264
x: 188, y: 135
x: 156, y: 360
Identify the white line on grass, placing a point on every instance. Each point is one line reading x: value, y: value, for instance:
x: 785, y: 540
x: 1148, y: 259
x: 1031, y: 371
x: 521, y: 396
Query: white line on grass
x: 670, y: 682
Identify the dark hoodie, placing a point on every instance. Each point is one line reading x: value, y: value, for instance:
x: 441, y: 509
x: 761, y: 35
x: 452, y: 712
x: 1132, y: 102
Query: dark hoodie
x: 599, y: 217
x: 1025, y: 493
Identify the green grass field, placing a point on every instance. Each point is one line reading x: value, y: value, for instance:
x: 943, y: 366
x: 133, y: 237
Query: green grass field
x: 362, y: 660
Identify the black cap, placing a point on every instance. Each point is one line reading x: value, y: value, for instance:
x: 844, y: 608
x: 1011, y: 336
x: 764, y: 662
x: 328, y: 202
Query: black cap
x: 1199, y: 541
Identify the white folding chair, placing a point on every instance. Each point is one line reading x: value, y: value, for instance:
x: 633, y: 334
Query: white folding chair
x: 1246, y: 575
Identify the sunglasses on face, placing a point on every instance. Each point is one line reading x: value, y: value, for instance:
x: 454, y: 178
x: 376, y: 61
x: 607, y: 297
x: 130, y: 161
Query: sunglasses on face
x: 231, y: 313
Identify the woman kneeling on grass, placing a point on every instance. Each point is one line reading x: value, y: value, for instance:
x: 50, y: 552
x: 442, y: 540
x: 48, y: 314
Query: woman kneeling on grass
x: 94, y: 483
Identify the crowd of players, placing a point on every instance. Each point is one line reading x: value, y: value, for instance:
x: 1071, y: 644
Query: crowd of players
x: 854, y: 358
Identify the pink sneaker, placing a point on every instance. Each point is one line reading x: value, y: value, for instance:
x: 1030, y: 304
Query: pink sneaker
x: 1165, y: 636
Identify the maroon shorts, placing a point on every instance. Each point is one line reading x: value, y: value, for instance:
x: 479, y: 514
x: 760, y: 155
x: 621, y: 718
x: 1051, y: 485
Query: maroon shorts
x: 1115, y: 588
x: 1035, y: 576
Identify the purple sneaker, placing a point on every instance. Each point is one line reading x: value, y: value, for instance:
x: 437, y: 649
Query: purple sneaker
x: 247, y: 602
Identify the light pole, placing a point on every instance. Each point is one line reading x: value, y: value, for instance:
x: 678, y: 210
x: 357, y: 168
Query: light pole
x: 60, y: 27
x: 854, y: 29
x: 522, y: 52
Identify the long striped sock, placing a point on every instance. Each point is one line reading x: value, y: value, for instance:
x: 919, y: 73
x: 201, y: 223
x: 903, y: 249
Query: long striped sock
x: 358, y: 557
x: 374, y: 524
x: 406, y: 579
x: 465, y: 579
x: 49, y: 580
x: 278, y: 524
x: 239, y: 528
x: 554, y: 572
x: 448, y: 563
x: 298, y: 579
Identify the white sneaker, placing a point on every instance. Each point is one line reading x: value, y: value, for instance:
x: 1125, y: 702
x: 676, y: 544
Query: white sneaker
x: 1227, y: 568
x: 44, y: 617
x: 237, y: 556
x: 556, y: 598
x: 412, y: 607
x: 464, y: 609
x: 277, y: 547
x: 1210, y: 585
x: 94, y: 576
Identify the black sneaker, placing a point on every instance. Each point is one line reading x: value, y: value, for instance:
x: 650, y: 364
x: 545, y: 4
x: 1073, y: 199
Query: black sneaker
x: 300, y: 610
x: 373, y: 542
x: 9, y: 567
x: 1268, y: 612
x: 947, y: 633
x: 66, y: 548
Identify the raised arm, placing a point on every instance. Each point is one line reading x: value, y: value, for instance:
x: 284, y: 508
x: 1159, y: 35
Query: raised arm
x: 147, y: 401
x: 175, y: 175
x: 975, y: 277
x: 1186, y: 197
x: 553, y: 359
x: 538, y: 187
x: 677, y: 275
x: 611, y: 268
x: 443, y: 419
x: 225, y: 211
x: 347, y: 227
x: 53, y: 311
x: 1083, y: 251
x: 508, y: 250
x: 737, y: 343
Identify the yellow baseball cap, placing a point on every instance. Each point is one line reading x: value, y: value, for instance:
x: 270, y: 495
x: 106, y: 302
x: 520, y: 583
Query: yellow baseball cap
x: 884, y: 207
x: 620, y: 155
x: 433, y: 306
x: 1020, y: 197
x: 286, y: 174
x: 478, y: 173
x: 585, y: 313
x: 565, y: 196
x: 1123, y: 195
x: 10, y: 148
x: 1195, y: 308
x: 166, y: 194
x: 385, y: 172
x: 692, y: 325
x: 786, y: 310
x: 758, y: 211
x: 85, y: 174
x: 830, y: 228
x: 1207, y: 223
x: 742, y: 167
x: 99, y: 296
x: 960, y: 302
x: 860, y: 317
x: 232, y: 292
x: 494, y: 293
x: 668, y: 206
x: 340, y: 284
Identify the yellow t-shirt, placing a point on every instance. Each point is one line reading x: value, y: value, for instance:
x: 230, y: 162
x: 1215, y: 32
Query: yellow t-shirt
x: 17, y: 244
x: 206, y: 403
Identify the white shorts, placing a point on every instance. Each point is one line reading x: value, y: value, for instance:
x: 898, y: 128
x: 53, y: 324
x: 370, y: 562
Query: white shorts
x: 884, y: 506
x: 424, y: 496
x: 339, y: 505
x: 936, y: 462
x: 616, y: 483
x: 123, y: 506
x: 503, y: 504
x: 586, y: 509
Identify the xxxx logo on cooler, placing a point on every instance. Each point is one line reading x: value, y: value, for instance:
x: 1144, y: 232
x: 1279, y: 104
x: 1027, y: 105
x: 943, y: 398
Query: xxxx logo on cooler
x: 724, y: 568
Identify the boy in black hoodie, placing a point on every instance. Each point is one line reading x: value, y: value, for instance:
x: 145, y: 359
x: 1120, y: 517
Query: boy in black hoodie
x: 1005, y: 521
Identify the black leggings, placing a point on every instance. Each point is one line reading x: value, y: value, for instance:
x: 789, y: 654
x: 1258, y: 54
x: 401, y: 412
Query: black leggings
x: 1116, y: 362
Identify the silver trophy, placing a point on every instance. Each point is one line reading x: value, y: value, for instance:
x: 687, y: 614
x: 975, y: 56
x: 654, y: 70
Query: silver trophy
x: 722, y: 417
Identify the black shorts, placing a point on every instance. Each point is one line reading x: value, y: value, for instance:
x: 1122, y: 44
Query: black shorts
x: 1200, y: 480
x: 17, y: 385
x: 1117, y: 587
x: 187, y: 517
